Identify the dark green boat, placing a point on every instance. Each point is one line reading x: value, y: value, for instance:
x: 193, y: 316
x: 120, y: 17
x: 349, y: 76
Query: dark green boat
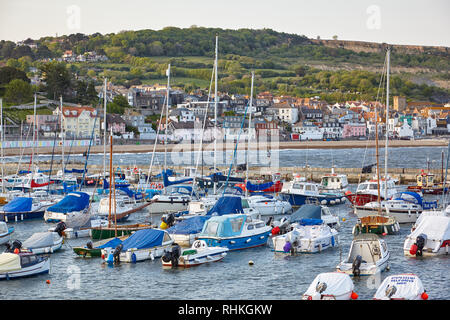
x: 101, y: 233
x: 95, y: 249
x: 376, y: 224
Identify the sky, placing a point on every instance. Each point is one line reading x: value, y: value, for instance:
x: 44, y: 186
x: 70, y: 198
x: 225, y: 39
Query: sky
x: 410, y: 22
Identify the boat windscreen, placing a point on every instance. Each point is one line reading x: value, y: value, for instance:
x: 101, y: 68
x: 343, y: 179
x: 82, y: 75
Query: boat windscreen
x: 362, y: 249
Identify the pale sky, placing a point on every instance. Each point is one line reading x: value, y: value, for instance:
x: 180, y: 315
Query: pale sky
x: 413, y: 22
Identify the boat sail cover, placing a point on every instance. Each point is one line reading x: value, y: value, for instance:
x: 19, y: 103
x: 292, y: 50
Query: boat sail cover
x: 226, y: 205
x: 189, y: 226
x: 74, y: 201
x: 18, y: 204
x: 9, y: 262
x: 259, y: 187
x: 168, y: 183
x: 40, y: 240
x: 307, y: 211
x: 408, y: 287
x: 144, y: 239
x: 337, y: 284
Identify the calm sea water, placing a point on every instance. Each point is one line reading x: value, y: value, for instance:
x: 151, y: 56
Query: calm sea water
x: 273, y: 275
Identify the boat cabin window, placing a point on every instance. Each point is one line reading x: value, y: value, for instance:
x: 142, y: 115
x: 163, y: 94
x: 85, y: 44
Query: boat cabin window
x: 244, y: 203
x: 362, y: 187
x: 27, y: 260
x: 250, y: 227
x: 384, y: 245
x: 298, y: 186
x: 373, y: 187
x: 211, y: 228
x: 166, y: 237
x: 309, y: 187
x: 260, y: 225
x: 236, y: 224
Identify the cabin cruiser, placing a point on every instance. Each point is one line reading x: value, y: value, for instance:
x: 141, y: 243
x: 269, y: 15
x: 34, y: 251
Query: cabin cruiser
x: 430, y: 237
x: 269, y: 206
x: 333, y: 182
x: 368, y: 191
x: 22, y: 264
x: 33, y: 181
x: 23, y: 208
x: 175, y: 200
x: 404, y: 207
x: 306, y: 236
x: 401, y: 287
x: 368, y: 255
x: 331, y: 286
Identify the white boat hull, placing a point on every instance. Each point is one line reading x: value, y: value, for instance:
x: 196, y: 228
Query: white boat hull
x: 42, y: 267
x: 398, y: 215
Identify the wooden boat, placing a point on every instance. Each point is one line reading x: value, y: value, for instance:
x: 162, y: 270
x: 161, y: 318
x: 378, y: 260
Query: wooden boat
x: 377, y: 224
x: 95, y: 249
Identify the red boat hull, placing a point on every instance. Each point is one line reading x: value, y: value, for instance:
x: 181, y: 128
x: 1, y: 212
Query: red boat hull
x: 360, y: 199
x: 276, y: 187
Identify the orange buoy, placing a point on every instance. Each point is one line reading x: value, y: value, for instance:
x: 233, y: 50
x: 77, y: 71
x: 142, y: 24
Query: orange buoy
x: 16, y: 251
x: 354, y: 295
x: 425, y: 296
x: 48, y: 281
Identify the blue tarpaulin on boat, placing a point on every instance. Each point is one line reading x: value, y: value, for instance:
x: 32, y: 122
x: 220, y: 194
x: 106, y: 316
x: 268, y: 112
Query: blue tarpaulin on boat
x: 18, y: 204
x: 307, y: 211
x: 310, y: 222
x: 258, y: 187
x: 74, y: 171
x: 74, y: 201
x: 110, y: 244
x: 226, y: 205
x: 169, y: 172
x: 143, y: 239
x: 119, y: 184
x: 168, y: 183
x: 189, y: 226
x: 229, y: 225
x: 217, y: 177
x: 406, y: 196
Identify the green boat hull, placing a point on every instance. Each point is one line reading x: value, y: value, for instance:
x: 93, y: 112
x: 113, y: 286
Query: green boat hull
x: 106, y: 233
x: 85, y: 252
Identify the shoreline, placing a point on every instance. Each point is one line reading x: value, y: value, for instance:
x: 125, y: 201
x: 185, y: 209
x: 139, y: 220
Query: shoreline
x: 283, y: 145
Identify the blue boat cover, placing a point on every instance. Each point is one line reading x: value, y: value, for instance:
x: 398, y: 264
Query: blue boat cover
x: 110, y: 244
x: 307, y: 211
x: 119, y: 184
x: 258, y: 187
x: 415, y: 195
x: 144, y: 239
x: 310, y: 222
x: 169, y: 172
x: 189, y: 226
x: 74, y: 171
x: 217, y: 177
x: 226, y: 205
x: 74, y: 201
x: 170, y: 183
x: 18, y: 204
x: 229, y: 225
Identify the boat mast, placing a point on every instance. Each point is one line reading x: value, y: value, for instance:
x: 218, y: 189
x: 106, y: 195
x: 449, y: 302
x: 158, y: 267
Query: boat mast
x: 110, y: 178
x: 216, y: 100
x: 167, y: 116
x: 388, y: 56
x: 104, y: 132
x: 2, y: 139
x: 62, y: 139
x: 378, y: 163
x: 34, y: 134
x: 248, y: 134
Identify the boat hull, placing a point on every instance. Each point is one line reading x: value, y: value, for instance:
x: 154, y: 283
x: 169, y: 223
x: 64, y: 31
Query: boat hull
x: 400, y: 216
x: 39, y: 268
x: 21, y: 216
x: 197, y: 259
x: 106, y: 233
x: 238, y: 243
x: 300, y: 199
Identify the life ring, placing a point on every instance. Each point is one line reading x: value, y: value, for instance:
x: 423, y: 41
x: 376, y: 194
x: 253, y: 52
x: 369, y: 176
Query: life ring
x: 152, y: 185
x: 160, y: 186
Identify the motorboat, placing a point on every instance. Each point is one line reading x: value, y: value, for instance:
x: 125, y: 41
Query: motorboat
x: 334, y: 182
x: 198, y: 254
x: 45, y: 242
x: 425, y: 184
x: 368, y: 255
x: 174, y: 201
x: 73, y: 210
x: 235, y: 231
x: 331, y: 286
x: 377, y: 224
x: 368, y: 191
x: 306, y: 236
x: 95, y: 249
x: 147, y: 244
x: 401, y: 287
x: 186, y: 231
x: 430, y: 237
x: 24, y: 208
x: 5, y: 232
x: 22, y: 264
x: 404, y: 207
x: 269, y: 206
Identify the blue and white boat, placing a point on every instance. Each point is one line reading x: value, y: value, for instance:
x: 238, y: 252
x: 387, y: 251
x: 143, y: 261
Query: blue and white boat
x: 23, y: 264
x: 73, y: 210
x: 299, y: 191
x: 235, y: 231
x: 24, y: 208
x: 5, y: 232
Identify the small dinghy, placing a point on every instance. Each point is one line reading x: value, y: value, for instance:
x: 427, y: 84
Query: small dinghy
x: 198, y: 254
x: 401, y: 287
x: 22, y: 264
x: 307, y: 236
x: 331, y: 286
x: 45, y: 242
x: 377, y: 224
x: 5, y: 232
x: 431, y: 237
x: 146, y: 244
x: 95, y: 249
x: 368, y: 255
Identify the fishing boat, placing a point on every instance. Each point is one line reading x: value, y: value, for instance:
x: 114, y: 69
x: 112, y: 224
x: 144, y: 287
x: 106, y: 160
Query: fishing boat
x: 45, y: 242
x: 331, y: 286
x: 299, y: 191
x: 22, y: 264
x: 368, y: 191
x: 306, y: 236
x: 24, y: 208
x: 199, y: 253
x: 5, y: 232
x: 333, y: 182
x: 377, y: 224
x: 147, y: 244
x: 235, y: 231
x: 404, y: 207
x: 95, y: 249
x: 368, y: 255
x: 430, y: 237
x: 425, y: 184
x: 401, y: 287
x: 73, y: 210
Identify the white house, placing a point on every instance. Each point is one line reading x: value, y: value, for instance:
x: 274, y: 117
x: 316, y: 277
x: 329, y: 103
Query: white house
x: 430, y: 125
x: 404, y: 130
x: 308, y: 132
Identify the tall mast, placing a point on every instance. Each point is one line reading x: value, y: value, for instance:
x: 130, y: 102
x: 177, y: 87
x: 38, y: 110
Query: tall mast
x: 388, y: 56
x: 104, y: 132
x: 249, y: 129
x: 2, y: 139
x: 34, y: 134
x: 167, y: 116
x: 216, y: 100
x: 62, y: 139
x: 110, y: 179
x: 378, y: 163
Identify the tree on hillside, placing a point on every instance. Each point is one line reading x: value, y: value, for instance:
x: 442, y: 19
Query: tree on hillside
x: 8, y: 73
x: 57, y: 78
x: 18, y: 91
x: 119, y: 104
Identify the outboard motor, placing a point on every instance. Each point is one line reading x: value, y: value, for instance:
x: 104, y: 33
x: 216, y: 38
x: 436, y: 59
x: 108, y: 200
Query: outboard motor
x: 89, y: 245
x: 60, y: 227
x: 15, y: 245
x: 116, y: 254
x: 390, y: 291
x: 421, y: 240
x: 173, y: 255
x: 356, y: 265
